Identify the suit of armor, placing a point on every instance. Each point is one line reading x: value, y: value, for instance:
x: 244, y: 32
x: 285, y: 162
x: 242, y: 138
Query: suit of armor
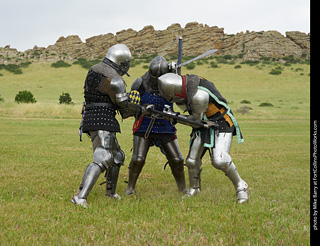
x: 204, y: 102
x: 104, y: 93
x: 150, y: 131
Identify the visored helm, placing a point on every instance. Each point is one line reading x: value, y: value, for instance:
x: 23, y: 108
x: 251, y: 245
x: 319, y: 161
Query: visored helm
x: 120, y: 55
x: 158, y: 66
x: 169, y: 85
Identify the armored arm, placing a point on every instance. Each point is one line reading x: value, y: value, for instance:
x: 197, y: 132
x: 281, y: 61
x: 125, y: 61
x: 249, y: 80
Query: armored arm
x: 126, y: 109
x: 199, y: 105
x: 136, y: 84
x: 174, y: 117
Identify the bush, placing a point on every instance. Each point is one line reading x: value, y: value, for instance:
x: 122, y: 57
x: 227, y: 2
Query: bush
x: 60, y: 64
x: 25, y: 97
x: 266, y: 104
x: 13, y: 68
x: 190, y: 66
x: 251, y: 63
x: 246, y: 101
x: 1, y: 99
x: 86, y: 64
x: 213, y: 64
x: 275, y: 72
x: 237, y: 66
x: 65, y: 98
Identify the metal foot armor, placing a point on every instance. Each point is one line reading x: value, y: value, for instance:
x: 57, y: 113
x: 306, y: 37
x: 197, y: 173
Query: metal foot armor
x: 239, y: 184
x: 81, y: 202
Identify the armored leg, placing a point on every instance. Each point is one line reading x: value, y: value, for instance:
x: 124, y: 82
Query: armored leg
x: 140, y: 149
x: 223, y: 161
x: 193, y: 163
x: 112, y: 173
x: 175, y: 159
x: 112, y: 179
x: 83, y: 179
x: 103, y: 143
x: 91, y: 176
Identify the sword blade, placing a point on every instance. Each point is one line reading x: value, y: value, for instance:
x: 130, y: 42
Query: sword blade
x: 209, y: 52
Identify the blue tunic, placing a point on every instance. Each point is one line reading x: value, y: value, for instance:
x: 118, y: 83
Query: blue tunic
x: 160, y: 125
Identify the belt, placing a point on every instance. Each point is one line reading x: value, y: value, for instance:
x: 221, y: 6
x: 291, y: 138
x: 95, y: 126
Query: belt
x: 91, y: 105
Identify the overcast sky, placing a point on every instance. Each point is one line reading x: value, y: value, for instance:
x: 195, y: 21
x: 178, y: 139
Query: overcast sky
x: 25, y: 23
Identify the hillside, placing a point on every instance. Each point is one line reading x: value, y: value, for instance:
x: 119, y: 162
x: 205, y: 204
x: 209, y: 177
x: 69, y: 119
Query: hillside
x: 197, y: 38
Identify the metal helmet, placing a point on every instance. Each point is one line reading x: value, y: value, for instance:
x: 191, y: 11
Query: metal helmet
x: 121, y: 56
x: 158, y: 66
x: 169, y: 85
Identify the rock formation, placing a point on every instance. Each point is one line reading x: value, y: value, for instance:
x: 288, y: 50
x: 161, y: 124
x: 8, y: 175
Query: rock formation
x: 197, y: 38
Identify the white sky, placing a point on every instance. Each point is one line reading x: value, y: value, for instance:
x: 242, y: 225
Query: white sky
x: 25, y: 23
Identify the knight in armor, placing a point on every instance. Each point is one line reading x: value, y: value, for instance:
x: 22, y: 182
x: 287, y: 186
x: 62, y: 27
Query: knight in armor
x: 105, y: 94
x: 153, y: 131
x: 203, y: 101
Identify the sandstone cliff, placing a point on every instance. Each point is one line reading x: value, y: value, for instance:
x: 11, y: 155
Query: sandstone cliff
x: 197, y: 38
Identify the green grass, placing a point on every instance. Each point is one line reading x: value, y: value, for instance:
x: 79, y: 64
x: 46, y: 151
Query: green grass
x: 42, y: 163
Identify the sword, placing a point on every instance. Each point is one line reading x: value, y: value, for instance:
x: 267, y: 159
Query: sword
x: 209, y: 52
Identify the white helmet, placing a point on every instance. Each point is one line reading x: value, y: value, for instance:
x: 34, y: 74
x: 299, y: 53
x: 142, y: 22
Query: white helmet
x: 120, y: 55
x: 169, y: 85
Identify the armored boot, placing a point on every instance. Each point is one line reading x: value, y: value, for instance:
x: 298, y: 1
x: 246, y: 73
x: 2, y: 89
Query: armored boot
x: 239, y: 184
x: 112, y: 175
x: 90, y: 177
x: 134, y: 172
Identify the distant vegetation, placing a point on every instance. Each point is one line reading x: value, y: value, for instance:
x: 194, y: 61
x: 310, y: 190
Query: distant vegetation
x: 14, y: 68
x: 65, y: 98
x: 86, y: 64
x: 59, y: 64
x: 25, y: 97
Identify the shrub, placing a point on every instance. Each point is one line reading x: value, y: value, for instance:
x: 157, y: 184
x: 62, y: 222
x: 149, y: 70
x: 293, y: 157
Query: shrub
x: 1, y: 99
x: 86, y: 64
x: 266, y: 104
x: 213, y: 64
x: 246, y: 102
x: 65, y: 98
x: 13, y: 68
x: 190, y: 66
x: 59, y: 64
x: 275, y: 72
x: 251, y: 63
x: 220, y: 59
x: 25, y: 97
x: 237, y: 67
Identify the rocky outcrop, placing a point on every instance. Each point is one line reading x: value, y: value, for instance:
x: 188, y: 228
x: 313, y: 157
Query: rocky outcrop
x: 197, y: 38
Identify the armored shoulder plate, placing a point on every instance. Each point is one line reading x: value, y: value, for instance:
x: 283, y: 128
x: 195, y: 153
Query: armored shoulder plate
x: 118, y: 88
x: 199, y: 102
x: 136, y: 84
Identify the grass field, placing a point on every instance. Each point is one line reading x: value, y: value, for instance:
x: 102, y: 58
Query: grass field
x: 42, y: 163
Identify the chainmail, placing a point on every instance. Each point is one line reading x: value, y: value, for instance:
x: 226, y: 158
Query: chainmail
x: 192, y: 83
